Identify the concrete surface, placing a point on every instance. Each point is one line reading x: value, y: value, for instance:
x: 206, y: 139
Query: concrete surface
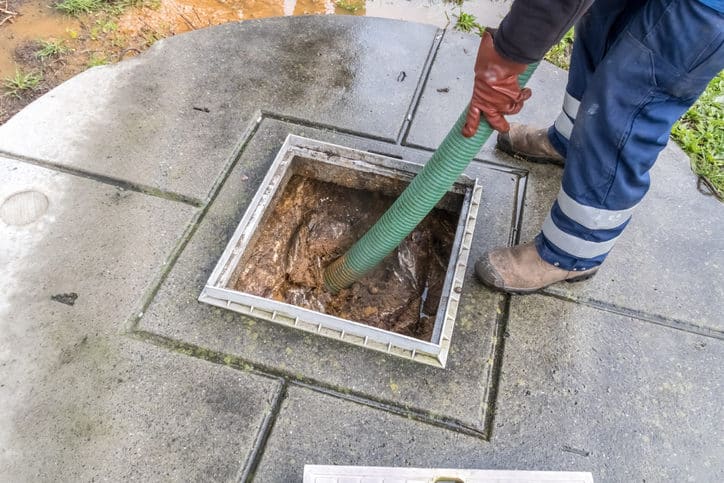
x: 581, y: 390
x: 117, y: 197
x: 78, y: 400
x: 343, y: 74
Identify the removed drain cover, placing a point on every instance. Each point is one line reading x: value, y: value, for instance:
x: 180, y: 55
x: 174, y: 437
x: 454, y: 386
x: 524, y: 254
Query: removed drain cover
x: 378, y: 474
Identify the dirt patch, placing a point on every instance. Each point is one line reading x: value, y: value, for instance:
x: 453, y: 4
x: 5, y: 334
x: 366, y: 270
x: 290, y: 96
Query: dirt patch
x: 313, y: 223
x: 26, y: 53
x: 173, y: 17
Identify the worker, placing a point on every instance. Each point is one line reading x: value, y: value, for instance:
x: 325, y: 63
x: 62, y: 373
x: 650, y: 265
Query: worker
x: 636, y: 67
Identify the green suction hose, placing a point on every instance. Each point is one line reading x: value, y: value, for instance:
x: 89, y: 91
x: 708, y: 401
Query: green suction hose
x: 419, y: 198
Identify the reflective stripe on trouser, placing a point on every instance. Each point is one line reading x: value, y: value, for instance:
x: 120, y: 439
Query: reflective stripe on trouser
x: 563, y: 127
x: 634, y: 79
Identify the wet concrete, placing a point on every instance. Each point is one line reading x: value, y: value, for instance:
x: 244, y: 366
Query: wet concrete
x: 592, y: 383
x: 79, y: 401
x: 341, y: 74
x: 580, y: 390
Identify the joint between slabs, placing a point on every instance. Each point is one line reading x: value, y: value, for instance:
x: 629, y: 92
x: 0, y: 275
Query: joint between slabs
x: 251, y: 464
x: 237, y: 363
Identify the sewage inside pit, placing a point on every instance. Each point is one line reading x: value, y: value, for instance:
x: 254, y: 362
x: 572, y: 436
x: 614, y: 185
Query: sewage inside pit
x: 312, y: 223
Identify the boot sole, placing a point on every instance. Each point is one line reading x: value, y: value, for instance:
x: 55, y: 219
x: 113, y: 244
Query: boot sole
x: 580, y: 278
x: 507, y: 148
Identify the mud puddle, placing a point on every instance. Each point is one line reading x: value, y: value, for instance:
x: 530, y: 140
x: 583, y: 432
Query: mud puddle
x: 313, y: 223
x: 33, y: 20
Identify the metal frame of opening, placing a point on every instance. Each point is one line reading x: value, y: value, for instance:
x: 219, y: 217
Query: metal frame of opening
x: 299, y: 149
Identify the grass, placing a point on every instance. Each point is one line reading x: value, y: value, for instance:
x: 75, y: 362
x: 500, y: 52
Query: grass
x: 560, y: 54
x: 700, y: 132
x: 21, y: 83
x: 51, y: 48
x: 117, y: 7
x: 79, y: 7
x: 102, y: 26
x: 468, y: 23
x: 113, y: 7
x: 350, y: 5
x: 96, y: 60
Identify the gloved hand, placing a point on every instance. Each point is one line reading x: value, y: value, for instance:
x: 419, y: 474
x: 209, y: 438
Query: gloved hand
x: 496, y: 90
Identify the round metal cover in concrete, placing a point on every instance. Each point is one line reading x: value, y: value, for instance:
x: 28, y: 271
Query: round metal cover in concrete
x: 24, y: 207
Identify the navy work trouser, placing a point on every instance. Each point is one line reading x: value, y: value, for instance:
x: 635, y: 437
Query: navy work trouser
x: 637, y: 65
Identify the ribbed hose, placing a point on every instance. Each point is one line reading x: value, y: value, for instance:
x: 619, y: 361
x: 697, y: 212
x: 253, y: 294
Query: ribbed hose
x: 419, y: 198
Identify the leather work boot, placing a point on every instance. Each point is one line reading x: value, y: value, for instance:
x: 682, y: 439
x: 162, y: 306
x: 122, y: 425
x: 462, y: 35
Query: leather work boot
x: 529, y: 143
x: 519, y: 270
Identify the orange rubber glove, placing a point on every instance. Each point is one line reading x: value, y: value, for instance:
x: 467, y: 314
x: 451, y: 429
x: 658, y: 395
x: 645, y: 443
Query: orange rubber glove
x: 496, y: 91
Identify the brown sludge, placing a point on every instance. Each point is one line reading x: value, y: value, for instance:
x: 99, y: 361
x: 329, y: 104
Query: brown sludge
x: 313, y: 223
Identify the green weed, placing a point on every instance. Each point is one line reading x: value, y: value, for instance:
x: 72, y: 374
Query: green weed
x: 700, y: 132
x: 350, y: 5
x: 102, y: 27
x: 560, y: 54
x: 465, y: 22
x: 119, y: 6
x: 113, y: 7
x: 21, y: 83
x: 96, y: 60
x: 79, y: 7
x: 468, y: 23
x: 51, y: 48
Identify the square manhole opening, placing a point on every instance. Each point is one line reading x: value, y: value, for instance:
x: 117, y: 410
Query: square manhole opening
x: 316, y: 200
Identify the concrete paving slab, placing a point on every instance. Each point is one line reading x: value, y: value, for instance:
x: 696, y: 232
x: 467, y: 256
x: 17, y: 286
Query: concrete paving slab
x: 583, y: 390
x: 458, y: 395
x: 632, y: 400
x: 80, y: 401
x: 486, y: 12
x: 100, y: 242
x: 447, y: 90
x: 116, y: 409
x: 449, y: 87
x: 314, y: 428
x: 144, y: 121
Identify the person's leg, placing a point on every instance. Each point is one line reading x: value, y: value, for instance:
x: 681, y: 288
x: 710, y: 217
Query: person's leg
x: 655, y: 69
x: 595, y: 32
